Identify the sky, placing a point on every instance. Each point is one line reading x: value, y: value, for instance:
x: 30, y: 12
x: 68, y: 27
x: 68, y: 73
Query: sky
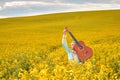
x: 16, y: 8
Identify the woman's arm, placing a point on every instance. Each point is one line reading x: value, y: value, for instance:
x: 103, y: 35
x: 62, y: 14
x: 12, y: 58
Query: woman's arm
x: 65, y: 45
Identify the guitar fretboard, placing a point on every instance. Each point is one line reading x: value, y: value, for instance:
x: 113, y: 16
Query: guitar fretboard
x: 75, y: 40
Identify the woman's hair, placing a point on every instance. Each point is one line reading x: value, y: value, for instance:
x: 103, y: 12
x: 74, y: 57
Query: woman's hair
x: 72, y: 45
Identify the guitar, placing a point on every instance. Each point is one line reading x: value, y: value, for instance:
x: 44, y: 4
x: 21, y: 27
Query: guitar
x: 83, y: 52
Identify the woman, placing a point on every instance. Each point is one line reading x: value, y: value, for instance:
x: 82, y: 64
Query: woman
x: 72, y: 55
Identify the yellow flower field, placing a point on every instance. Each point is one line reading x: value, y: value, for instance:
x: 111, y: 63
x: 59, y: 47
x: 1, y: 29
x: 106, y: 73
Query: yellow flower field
x: 30, y: 47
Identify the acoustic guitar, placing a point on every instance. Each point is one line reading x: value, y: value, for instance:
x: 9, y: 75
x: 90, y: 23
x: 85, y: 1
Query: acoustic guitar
x: 84, y: 52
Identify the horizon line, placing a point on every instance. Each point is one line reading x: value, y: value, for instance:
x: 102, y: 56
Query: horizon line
x: 39, y: 14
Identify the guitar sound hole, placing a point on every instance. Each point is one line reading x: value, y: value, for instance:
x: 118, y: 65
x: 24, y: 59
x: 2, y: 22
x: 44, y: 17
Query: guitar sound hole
x: 80, y: 47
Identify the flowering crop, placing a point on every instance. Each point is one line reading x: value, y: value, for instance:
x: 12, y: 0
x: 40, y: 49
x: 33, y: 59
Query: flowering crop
x: 32, y: 50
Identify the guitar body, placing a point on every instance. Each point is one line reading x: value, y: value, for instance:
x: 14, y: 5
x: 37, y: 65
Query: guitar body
x: 84, y: 53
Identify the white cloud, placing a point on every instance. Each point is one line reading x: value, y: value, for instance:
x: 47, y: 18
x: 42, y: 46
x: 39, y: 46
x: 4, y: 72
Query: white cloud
x: 13, y: 4
x: 0, y: 8
x: 59, y: 6
x: 115, y: 1
x: 3, y: 16
x: 26, y: 3
x: 93, y: 6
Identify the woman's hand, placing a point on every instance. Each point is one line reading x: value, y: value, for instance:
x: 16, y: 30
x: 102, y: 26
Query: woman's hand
x: 66, y: 30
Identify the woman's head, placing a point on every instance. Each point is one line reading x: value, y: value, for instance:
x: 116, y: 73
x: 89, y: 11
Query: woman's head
x: 72, y: 45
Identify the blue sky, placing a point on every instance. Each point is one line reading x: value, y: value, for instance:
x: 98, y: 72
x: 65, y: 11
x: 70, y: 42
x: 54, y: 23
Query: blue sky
x: 13, y: 8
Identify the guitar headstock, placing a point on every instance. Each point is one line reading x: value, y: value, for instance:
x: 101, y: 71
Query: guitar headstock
x: 66, y: 29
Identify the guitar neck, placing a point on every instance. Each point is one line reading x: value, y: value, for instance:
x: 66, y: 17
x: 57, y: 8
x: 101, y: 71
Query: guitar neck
x: 75, y: 39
